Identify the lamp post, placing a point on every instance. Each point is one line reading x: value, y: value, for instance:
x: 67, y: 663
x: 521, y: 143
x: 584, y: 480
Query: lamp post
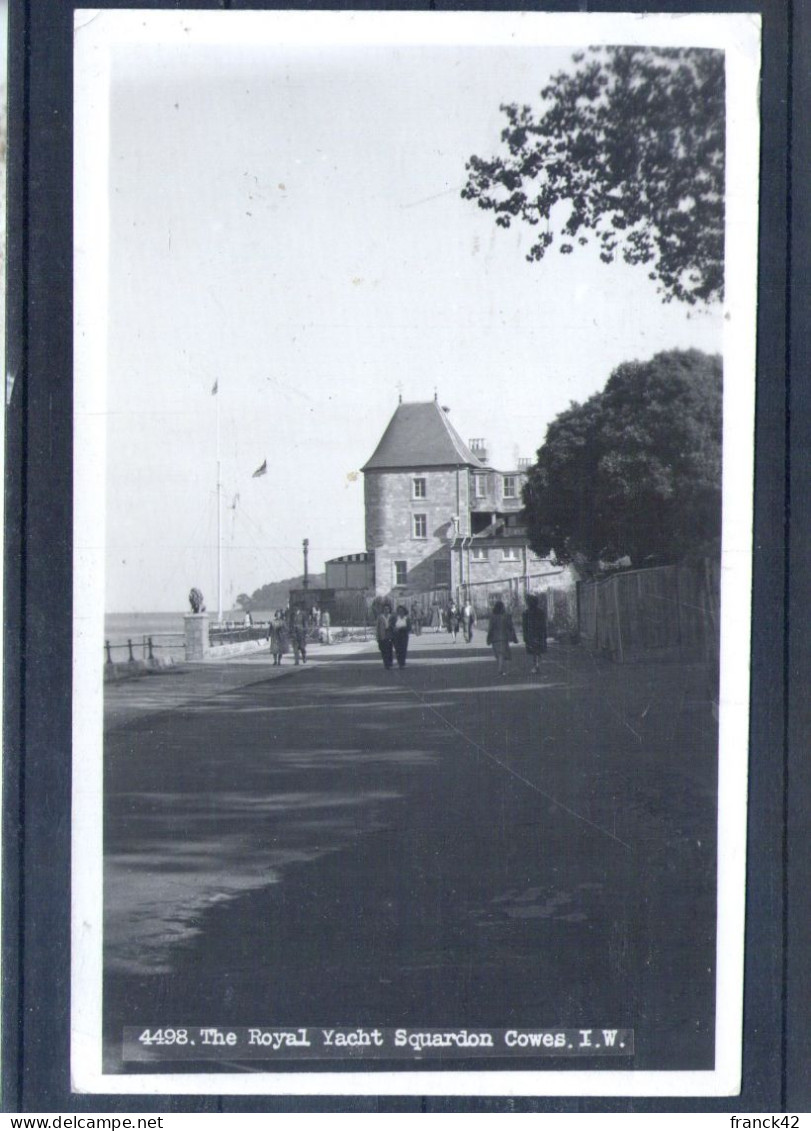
x: 306, y: 547
x: 456, y: 521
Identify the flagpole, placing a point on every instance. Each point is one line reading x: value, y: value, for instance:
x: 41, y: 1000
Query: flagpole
x: 219, y: 514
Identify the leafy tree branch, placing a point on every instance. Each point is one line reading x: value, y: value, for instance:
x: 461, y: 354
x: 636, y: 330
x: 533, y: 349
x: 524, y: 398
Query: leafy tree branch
x: 630, y: 147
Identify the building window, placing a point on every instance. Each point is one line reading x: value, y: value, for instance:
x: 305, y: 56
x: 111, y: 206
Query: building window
x: 400, y: 573
x: 442, y: 572
x: 419, y: 486
x: 420, y: 525
x: 478, y: 554
x: 510, y: 486
x: 510, y: 554
x: 479, y: 487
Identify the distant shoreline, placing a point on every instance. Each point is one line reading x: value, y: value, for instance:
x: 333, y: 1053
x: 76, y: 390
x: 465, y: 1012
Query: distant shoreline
x: 119, y: 628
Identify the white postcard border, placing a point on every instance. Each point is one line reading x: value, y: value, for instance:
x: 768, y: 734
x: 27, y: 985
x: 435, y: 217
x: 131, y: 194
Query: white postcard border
x: 96, y: 33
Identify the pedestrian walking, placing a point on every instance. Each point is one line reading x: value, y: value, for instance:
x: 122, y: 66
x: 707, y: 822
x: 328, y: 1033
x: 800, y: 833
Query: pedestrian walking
x: 279, y: 639
x: 384, y: 635
x: 454, y: 616
x: 500, y: 635
x: 298, y: 635
x: 533, y: 626
x: 400, y: 631
x: 468, y: 620
x: 416, y: 619
x: 436, y: 617
x: 326, y: 626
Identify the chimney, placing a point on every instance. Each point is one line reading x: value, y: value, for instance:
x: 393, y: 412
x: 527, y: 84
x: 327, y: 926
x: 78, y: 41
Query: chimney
x: 479, y: 448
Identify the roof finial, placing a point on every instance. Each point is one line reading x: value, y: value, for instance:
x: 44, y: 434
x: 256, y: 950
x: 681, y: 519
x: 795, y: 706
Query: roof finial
x: 436, y: 395
x: 399, y: 388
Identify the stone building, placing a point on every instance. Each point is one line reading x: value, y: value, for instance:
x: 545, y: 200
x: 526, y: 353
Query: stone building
x: 438, y: 516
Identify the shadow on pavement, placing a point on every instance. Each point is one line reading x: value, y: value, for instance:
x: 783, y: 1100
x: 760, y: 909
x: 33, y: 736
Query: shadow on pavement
x: 430, y: 846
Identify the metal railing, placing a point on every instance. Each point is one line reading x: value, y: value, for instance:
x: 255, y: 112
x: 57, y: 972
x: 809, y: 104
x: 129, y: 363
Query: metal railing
x: 149, y: 647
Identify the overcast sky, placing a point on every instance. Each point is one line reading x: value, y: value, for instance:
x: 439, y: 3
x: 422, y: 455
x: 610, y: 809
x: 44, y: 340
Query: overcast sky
x: 287, y: 222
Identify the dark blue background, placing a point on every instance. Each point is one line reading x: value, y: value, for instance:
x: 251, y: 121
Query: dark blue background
x: 38, y: 594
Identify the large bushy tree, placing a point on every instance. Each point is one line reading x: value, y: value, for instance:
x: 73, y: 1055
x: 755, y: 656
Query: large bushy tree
x: 631, y: 144
x: 636, y: 469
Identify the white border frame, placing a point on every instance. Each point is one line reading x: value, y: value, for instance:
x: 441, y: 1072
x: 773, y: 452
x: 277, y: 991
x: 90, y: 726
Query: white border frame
x: 95, y: 34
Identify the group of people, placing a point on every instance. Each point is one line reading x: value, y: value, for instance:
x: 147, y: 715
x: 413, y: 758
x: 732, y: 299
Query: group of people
x: 460, y: 618
x: 501, y: 632
x: 288, y: 632
x: 454, y: 618
x: 321, y: 620
x: 393, y: 631
x: 394, y: 627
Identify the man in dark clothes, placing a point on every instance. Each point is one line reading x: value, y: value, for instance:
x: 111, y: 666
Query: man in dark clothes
x: 400, y: 630
x: 533, y: 624
x: 298, y: 634
x: 384, y: 637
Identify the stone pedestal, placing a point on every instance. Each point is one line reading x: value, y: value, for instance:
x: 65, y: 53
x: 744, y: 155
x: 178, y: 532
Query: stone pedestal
x: 196, y: 625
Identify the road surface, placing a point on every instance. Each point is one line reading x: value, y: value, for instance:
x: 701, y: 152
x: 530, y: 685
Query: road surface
x: 341, y: 845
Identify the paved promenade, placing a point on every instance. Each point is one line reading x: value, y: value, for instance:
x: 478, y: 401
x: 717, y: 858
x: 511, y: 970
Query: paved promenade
x: 338, y: 844
x: 164, y: 689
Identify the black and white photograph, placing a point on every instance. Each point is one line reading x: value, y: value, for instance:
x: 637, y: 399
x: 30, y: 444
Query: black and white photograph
x: 414, y: 385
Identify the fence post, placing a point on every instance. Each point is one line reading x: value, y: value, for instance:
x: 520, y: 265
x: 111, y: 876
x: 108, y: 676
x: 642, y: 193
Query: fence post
x: 615, y: 587
x: 129, y: 645
x: 107, y: 646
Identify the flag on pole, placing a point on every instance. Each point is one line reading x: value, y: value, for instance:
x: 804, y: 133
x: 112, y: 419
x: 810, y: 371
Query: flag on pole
x: 214, y: 388
x: 260, y: 470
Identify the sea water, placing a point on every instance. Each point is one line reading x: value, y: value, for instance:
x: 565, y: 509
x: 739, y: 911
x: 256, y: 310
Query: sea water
x: 166, y: 630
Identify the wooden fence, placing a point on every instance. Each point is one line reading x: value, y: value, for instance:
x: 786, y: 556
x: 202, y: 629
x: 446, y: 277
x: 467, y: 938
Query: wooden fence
x: 669, y: 611
x: 555, y: 588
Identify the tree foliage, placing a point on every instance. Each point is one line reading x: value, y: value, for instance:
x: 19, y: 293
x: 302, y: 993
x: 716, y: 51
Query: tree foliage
x: 632, y: 143
x: 276, y: 594
x: 636, y: 469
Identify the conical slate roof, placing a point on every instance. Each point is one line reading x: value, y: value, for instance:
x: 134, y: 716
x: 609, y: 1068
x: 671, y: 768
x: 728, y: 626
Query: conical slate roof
x: 420, y: 435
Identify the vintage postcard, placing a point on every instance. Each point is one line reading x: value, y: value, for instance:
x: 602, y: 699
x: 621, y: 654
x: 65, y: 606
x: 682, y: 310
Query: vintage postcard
x: 414, y: 402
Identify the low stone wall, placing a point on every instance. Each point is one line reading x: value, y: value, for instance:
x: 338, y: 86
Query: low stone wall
x: 132, y: 669
x: 223, y: 651
x: 199, y: 648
